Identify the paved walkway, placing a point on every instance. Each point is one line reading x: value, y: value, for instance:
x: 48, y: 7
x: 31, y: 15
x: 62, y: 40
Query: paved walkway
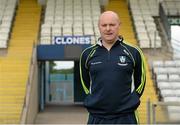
x: 62, y: 114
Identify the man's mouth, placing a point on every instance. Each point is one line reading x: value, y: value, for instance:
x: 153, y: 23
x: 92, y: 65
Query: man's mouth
x: 108, y: 34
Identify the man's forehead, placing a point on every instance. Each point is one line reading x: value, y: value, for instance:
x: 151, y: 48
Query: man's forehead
x: 109, y: 15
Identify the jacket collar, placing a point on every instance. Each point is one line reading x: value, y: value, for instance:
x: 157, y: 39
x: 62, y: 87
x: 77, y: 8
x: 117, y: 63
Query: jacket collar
x: 118, y: 41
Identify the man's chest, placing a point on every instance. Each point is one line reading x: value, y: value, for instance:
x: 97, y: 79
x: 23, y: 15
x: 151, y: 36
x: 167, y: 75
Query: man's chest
x: 106, y: 61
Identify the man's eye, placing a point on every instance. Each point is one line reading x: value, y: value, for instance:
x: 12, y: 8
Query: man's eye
x: 104, y: 25
x: 112, y: 24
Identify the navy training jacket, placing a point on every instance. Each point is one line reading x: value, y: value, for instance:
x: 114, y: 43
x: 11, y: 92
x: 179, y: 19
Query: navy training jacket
x: 113, y: 80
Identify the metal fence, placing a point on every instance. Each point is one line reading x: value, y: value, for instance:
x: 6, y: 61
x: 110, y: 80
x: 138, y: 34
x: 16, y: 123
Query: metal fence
x: 163, y: 112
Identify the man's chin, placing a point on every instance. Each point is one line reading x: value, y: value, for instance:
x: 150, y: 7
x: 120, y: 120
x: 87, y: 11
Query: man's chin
x: 110, y: 40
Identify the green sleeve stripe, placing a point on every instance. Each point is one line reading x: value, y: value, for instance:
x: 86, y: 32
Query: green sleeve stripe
x: 81, y: 77
x: 82, y: 81
x: 90, y: 55
x: 137, y: 116
x: 143, y: 75
x: 143, y: 69
x: 94, y: 50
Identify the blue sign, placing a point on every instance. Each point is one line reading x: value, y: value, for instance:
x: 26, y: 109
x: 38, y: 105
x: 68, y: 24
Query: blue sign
x: 72, y: 40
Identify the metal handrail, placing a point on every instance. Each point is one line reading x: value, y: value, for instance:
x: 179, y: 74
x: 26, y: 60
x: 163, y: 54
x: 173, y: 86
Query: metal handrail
x: 151, y: 109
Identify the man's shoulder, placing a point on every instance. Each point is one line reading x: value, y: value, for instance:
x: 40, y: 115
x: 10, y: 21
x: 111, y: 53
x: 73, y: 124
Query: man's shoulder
x: 131, y: 47
x: 89, y: 49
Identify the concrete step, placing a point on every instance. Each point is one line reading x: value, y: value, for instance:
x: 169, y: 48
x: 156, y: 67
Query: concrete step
x: 62, y: 114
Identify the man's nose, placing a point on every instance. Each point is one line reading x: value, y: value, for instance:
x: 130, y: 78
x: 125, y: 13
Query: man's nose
x: 107, y: 27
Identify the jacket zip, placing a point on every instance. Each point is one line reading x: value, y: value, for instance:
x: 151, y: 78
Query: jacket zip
x: 109, y: 54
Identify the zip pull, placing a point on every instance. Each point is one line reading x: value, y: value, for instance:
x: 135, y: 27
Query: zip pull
x: 109, y: 55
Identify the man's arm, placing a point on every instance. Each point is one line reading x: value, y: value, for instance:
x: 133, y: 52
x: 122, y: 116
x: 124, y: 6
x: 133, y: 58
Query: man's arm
x: 140, y: 73
x: 84, y: 72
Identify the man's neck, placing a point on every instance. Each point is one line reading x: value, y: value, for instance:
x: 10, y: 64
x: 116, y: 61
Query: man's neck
x: 108, y: 44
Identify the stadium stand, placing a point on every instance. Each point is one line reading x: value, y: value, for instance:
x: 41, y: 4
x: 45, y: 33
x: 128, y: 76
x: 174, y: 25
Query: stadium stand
x: 7, y: 12
x: 70, y: 18
x: 171, y: 7
x: 166, y: 72
x: 142, y: 13
x: 167, y: 76
x: 14, y: 70
x: 80, y: 17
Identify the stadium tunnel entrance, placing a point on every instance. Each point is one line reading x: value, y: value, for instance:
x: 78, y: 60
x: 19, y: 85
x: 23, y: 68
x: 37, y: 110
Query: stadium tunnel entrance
x: 59, y: 85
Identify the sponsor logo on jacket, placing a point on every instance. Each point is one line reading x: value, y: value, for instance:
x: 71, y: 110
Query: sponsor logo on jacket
x: 122, y: 61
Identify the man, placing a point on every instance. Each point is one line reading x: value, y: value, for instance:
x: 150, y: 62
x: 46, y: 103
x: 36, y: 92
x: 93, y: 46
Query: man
x: 113, y: 76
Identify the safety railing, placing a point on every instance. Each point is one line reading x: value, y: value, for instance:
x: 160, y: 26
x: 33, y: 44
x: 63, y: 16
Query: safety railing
x: 163, y: 112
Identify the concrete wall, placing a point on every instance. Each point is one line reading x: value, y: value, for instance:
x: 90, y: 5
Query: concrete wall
x: 30, y: 108
x: 33, y: 101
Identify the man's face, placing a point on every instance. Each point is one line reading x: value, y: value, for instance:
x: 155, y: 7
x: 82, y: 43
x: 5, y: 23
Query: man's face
x: 109, y: 28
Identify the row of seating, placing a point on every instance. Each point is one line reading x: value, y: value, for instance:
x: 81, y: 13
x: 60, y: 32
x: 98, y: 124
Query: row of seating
x: 166, y: 63
x: 169, y: 85
x: 70, y: 18
x: 146, y: 6
x: 167, y: 70
x: 48, y: 34
x: 7, y: 12
x: 174, y: 111
x: 167, y: 79
x: 146, y: 31
x: 171, y: 7
x: 170, y: 93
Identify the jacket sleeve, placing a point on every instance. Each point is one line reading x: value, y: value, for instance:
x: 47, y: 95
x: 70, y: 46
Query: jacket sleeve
x: 139, y: 73
x: 84, y: 72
